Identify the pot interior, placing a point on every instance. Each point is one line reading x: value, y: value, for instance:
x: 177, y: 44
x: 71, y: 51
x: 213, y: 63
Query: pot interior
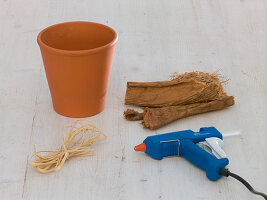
x: 75, y: 36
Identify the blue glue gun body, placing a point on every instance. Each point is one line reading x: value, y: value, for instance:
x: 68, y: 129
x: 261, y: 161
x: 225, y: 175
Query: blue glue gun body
x: 183, y: 143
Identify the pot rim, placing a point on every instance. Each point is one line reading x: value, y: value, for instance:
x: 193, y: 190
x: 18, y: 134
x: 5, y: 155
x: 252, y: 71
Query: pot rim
x: 76, y: 52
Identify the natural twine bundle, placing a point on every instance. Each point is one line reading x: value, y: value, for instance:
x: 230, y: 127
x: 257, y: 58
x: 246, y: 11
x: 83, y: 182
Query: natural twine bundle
x: 80, y: 136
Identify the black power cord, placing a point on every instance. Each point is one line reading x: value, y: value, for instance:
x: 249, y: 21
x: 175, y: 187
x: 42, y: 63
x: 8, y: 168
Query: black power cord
x: 226, y: 173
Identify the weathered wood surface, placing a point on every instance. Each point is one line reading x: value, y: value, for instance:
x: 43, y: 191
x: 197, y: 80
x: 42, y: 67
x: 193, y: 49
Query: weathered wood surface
x: 156, y: 38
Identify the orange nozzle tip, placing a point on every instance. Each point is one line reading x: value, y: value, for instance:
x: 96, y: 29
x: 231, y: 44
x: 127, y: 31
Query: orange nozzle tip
x: 140, y: 147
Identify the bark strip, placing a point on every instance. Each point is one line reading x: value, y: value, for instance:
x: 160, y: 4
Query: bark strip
x: 132, y: 115
x: 184, y: 95
x: 154, y: 118
x: 170, y: 93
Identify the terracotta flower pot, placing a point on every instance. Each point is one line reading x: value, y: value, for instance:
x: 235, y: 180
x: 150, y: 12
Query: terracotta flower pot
x: 77, y: 57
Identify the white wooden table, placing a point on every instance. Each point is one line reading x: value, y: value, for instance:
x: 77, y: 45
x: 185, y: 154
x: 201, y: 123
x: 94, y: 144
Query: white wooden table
x: 156, y: 38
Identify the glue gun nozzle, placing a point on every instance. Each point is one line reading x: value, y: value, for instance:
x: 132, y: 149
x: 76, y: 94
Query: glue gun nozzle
x: 140, y: 147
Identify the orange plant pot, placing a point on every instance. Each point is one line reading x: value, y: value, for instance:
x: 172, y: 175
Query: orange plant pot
x: 77, y: 57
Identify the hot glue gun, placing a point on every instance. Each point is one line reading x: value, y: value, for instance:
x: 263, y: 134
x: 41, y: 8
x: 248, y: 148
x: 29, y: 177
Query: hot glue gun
x: 184, y: 143
x: 191, y: 145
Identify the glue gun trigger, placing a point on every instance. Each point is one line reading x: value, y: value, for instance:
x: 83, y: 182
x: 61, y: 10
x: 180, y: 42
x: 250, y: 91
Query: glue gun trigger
x: 213, y: 145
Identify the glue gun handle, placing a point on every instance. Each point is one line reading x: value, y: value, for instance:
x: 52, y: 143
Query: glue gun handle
x: 202, y: 159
